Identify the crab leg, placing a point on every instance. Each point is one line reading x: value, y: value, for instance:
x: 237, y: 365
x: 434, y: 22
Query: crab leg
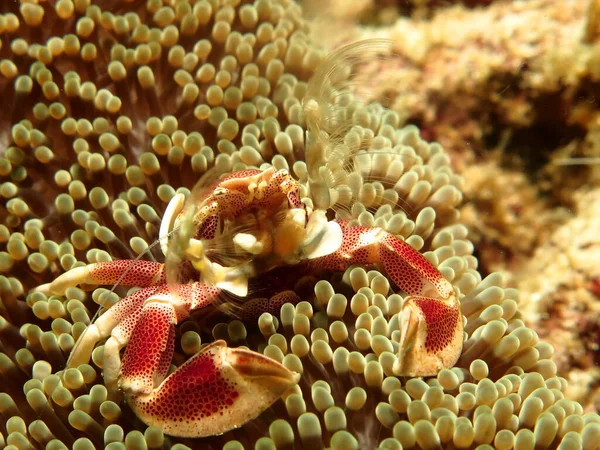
x: 118, y: 316
x: 125, y: 271
x: 430, y: 320
x: 408, y: 268
x: 252, y: 309
x: 120, y: 320
x: 218, y: 389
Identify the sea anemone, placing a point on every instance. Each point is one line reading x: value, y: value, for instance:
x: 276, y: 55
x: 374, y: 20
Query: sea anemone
x: 114, y: 108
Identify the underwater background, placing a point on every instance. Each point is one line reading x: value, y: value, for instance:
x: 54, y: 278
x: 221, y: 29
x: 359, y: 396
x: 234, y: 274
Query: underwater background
x: 111, y: 107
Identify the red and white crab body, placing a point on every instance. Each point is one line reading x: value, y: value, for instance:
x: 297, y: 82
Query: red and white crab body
x: 231, y: 386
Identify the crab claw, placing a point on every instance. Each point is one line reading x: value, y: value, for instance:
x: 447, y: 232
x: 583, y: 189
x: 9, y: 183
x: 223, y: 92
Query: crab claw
x: 322, y: 236
x: 431, y: 336
x: 174, y: 208
x: 216, y: 390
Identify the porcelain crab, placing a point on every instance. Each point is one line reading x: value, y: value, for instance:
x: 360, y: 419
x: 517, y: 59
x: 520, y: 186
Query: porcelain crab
x: 234, y: 229
x: 233, y: 385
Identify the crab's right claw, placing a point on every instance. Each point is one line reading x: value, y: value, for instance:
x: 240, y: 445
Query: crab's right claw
x: 218, y: 389
x: 431, y: 336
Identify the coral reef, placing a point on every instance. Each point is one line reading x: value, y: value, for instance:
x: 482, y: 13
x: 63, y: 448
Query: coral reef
x: 419, y: 9
x: 114, y: 108
x: 508, y: 215
x: 560, y: 283
x: 469, y: 76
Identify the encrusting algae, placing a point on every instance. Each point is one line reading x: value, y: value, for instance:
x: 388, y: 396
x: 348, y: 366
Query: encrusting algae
x: 113, y: 108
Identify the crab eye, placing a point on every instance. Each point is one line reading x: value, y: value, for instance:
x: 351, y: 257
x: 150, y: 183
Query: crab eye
x: 282, y: 173
x: 220, y: 192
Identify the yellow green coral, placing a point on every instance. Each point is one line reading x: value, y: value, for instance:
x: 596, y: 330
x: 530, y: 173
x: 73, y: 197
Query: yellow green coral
x: 115, y: 107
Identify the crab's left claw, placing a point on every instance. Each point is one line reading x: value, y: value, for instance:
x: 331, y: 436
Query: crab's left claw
x: 323, y: 237
x: 218, y: 389
x: 174, y: 208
